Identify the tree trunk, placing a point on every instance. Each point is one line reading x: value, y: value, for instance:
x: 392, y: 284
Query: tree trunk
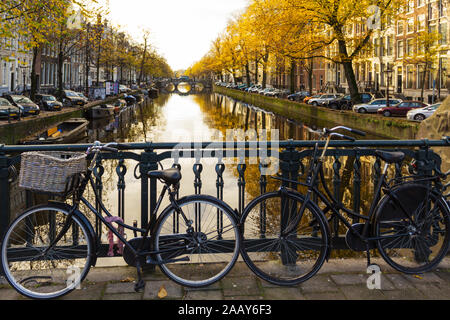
x: 247, y: 73
x: 141, y: 73
x: 423, y: 82
x: 349, y: 73
x: 265, y: 60
x: 292, y: 76
x: 310, y: 70
x: 60, y: 72
x: 34, y: 82
x: 256, y: 71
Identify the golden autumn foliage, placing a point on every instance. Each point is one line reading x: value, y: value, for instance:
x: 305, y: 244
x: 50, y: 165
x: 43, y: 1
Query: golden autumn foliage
x: 296, y: 31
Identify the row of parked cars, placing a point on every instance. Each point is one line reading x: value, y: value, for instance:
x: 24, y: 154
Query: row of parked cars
x: 256, y: 88
x: 15, y: 106
x: 413, y: 110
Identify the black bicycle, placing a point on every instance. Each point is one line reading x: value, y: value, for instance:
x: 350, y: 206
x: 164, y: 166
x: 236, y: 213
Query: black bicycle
x: 286, y: 235
x: 48, y: 250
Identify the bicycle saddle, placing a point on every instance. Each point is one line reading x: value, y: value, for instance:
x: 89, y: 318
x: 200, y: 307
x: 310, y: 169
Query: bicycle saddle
x: 390, y: 157
x: 169, y: 176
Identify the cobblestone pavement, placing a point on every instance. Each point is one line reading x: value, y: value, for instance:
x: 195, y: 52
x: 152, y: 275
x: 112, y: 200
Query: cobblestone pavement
x: 337, y: 280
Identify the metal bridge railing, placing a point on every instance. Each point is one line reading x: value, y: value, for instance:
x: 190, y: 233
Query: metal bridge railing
x: 359, y: 158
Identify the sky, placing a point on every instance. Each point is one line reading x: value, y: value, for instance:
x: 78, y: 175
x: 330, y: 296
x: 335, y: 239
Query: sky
x: 181, y: 31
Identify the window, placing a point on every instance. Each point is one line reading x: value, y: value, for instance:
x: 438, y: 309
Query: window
x: 410, y: 26
x: 390, y: 47
x: 409, y: 47
x: 409, y: 77
x: 431, y: 11
x: 399, y: 27
x: 421, y: 22
x: 443, y: 32
x: 400, y: 48
x: 410, y: 6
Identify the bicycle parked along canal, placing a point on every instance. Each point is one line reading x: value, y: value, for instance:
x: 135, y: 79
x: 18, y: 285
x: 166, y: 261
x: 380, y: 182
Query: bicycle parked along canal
x: 286, y: 235
x: 49, y: 249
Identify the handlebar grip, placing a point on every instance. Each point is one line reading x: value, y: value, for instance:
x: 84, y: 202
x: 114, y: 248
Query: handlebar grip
x: 348, y: 138
x: 361, y: 133
x: 110, y: 149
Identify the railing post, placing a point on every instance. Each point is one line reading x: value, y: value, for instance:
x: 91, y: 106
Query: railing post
x: 5, y: 207
x: 289, y: 165
x: 149, y: 189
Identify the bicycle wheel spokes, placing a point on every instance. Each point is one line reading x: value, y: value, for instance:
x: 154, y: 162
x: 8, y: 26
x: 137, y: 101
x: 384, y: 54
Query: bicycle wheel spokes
x: 211, y: 249
x: 36, y: 270
x: 414, y: 245
x: 283, y: 260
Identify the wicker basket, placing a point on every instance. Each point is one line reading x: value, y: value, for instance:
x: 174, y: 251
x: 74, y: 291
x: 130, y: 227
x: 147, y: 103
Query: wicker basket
x: 50, y: 172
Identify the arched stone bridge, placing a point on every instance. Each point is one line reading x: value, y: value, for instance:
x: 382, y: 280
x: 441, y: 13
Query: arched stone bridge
x: 181, y: 86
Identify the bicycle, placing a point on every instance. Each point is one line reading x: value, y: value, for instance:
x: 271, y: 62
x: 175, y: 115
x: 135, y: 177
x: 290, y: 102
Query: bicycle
x: 49, y: 249
x: 286, y: 235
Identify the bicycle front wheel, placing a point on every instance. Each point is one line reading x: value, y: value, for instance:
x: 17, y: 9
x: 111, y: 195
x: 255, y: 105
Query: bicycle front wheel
x: 200, y: 254
x: 277, y: 258
x: 32, y: 267
x: 412, y: 226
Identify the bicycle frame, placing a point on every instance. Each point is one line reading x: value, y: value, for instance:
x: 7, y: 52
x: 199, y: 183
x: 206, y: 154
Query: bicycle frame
x: 315, y: 174
x: 78, y: 197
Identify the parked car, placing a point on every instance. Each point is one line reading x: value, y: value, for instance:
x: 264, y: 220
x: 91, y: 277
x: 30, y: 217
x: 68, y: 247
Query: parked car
x: 123, y: 88
x: 48, y: 102
x: 254, y: 88
x: 374, y: 105
x: 312, y: 97
x: 72, y: 99
x: 422, y: 113
x: 7, y: 109
x: 401, y: 109
x: 322, y: 99
x: 26, y: 106
x: 298, y: 96
x: 345, y: 102
x: 82, y: 96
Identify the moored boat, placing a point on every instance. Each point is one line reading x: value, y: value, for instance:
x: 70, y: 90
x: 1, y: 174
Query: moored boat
x: 68, y: 131
x: 102, y: 111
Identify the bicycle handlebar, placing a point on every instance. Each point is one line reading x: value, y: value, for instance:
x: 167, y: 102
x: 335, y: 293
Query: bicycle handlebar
x: 331, y: 132
x: 98, y: 147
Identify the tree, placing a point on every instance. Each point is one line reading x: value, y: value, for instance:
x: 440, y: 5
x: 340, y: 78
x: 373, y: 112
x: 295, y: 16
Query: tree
x: 424, y: 55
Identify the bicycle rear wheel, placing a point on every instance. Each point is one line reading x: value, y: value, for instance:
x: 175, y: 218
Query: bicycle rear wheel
x: 38, y: 274
x: 210, y: 249
x: 415, y: 228
x: 283, y: 260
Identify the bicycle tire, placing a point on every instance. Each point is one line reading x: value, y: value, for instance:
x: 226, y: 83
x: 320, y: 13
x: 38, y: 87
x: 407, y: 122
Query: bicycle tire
x: 203, y: 246
x: 273, y: 258
x: 418, y: 244
x: 59, y: 271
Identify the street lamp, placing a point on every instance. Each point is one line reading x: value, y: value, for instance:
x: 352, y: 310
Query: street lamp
x: 24, y: 68
x: 388, y: 76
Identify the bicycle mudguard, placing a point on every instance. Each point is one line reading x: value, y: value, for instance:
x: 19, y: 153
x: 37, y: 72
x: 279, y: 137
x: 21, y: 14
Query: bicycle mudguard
x: 406, y: 197
x: 92, y: 236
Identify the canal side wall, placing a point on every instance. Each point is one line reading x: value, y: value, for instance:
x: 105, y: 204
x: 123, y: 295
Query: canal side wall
x: 12, y: 133
x: 391, y: 128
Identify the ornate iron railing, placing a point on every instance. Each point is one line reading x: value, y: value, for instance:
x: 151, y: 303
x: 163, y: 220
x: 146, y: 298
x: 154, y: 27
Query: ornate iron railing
x: 293, y: 160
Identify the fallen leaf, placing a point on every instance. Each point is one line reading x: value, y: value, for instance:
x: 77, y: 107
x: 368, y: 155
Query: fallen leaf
x: 417, y: 276
x: 162, y: 292
x: 129, y: 279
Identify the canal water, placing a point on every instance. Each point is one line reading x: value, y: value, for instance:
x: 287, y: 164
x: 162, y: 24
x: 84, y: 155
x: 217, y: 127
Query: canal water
x: 205, y: 117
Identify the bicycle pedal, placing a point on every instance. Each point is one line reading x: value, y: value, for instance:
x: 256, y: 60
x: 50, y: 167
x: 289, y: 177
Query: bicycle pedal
x: 139, y: 286
x: 151, y: 261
